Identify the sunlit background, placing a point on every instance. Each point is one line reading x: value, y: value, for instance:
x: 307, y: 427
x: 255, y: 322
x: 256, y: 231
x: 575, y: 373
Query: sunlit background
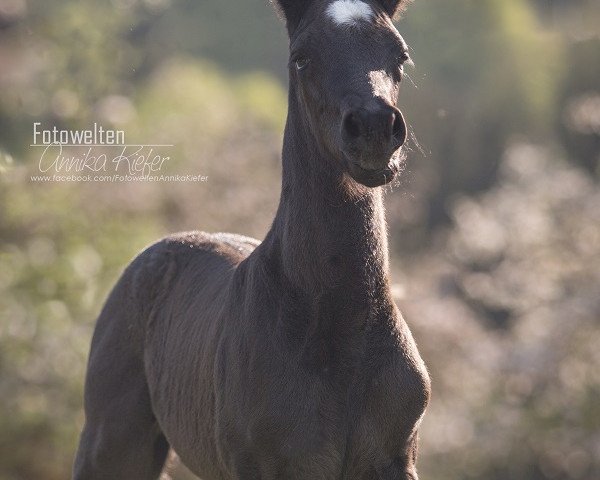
x: 494, y: 227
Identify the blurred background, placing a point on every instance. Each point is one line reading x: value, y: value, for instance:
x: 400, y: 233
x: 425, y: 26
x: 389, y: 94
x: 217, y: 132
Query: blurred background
x: 495, y: 224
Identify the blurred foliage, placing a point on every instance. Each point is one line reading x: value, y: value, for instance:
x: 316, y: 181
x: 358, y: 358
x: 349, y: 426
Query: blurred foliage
x: 579, y: 101
x: 483, y: 74
x: 507, y: 313
x: 497, y: 240
x: 59, y: 254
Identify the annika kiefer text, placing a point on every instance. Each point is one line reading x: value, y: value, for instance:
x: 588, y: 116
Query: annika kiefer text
x: 135, y: 159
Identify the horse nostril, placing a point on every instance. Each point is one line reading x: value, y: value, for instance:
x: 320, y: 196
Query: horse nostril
x: 399, y: 129
x: 352, y: 125
x: 382, y: 128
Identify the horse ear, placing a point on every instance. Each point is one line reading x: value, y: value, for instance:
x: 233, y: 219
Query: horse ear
x: 292, y: 11
x: 394, y: 7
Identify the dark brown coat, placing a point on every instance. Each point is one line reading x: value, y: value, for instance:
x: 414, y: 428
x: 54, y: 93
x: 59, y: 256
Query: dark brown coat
x: 286, y: 359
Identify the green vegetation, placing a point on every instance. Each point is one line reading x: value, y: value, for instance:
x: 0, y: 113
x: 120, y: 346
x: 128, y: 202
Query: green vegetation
x: 494, y: 227
x: 507, y: 315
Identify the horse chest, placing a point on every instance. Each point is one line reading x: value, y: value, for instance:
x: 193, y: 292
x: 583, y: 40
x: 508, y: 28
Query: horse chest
x: 320, y: 423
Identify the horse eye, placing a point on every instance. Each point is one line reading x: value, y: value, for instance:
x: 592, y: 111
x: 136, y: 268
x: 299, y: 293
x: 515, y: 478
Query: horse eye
x: 302, y: 63
x: 403, y: 58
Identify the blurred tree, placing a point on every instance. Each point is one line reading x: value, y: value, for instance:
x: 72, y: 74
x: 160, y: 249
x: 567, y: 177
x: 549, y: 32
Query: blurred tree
x: 577, y: 18
x: 579, y: 104
x: 483, y: 73
x: 517, y: 398
x: 57, y: 62
x: 59, y: 253
x: 238, y: 35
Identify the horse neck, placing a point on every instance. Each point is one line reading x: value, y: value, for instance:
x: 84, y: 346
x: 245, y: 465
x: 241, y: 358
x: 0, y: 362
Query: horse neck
x: 329, y: 236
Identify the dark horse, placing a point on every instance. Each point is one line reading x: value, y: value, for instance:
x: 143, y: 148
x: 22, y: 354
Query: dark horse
x: 286, y: 359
